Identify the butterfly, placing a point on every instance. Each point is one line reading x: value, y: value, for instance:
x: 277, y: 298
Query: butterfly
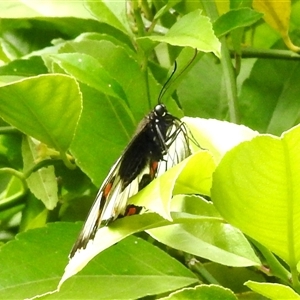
x: 160, y: 142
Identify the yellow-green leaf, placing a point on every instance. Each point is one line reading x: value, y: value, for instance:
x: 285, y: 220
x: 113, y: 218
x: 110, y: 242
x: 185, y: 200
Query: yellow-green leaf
x: 277, y: 15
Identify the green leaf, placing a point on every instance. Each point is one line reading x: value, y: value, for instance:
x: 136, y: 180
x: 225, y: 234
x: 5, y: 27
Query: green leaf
x: 157, y: 272
x: 208, y: 237
x: 88, y: 70
x: 235, y: 18
x: 195, y: 180
x: 202, y: 292
x: 34, y: 215
x: 13, y: 191
x: 166, y: 8
x: 36, y: 105
x: 24, y: 67
x: 192, y: 30
x: 155, y: 197
x: 112, y: 13
x: 194, y: 100
x: 277, y: 14
x: 122, y: 65
x: 107, y: 236
x: 43, y: 182
x: 272, y: 106
x: 10, y: 150
x: 191, y: 179
x: 107, y: 123
x: 273, y: 291
x: 218, y: 136
x: 255, y: 188
x: 104, y: 129
x: 31, y: 9
x: 234, y: 278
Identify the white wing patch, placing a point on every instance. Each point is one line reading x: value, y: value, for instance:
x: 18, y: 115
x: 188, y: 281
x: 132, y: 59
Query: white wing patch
x: 112, y: 198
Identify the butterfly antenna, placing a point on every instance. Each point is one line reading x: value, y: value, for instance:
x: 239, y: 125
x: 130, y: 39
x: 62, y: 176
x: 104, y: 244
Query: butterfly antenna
x: 187, y: 66
x: 164, y: 88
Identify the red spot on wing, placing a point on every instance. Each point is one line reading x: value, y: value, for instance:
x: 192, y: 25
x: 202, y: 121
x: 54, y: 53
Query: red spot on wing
x: 132, y: 209
x: 107, y: 189
x: 153, y: 168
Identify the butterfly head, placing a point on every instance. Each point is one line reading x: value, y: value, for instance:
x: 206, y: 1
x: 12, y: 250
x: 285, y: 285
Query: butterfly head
x: 160, y: 110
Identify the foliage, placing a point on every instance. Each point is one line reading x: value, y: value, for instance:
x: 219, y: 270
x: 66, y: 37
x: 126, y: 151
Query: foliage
x: 75, y: 80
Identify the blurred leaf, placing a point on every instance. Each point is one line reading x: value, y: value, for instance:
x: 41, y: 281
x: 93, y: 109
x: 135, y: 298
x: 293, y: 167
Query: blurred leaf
x: 270, y: 103
x: 34, y: 214
x: 112, y: 13
x: 166, y: 8
x: 192, y: 30
x: 24, y: 67
x: 77, y: 209
x: 202, y: 292
x: 10, y: 150
x: 210, y: 100
x: 32, y: 8
x: 25, y: 105
x: 277, y: 15
x: 255, y: 188
x: 235, y: 277
x: 42, y: 183
x: 233, y: 19
x: 13, y: 192
x: 273, y: 291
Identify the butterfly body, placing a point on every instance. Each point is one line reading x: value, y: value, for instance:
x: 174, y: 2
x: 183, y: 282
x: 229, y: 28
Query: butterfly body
x: 147, y: 155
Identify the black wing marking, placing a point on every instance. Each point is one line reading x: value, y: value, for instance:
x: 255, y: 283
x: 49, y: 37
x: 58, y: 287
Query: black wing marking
x: 160, y: 143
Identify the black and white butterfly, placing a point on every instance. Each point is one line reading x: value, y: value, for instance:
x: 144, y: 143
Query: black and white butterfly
x: 160, y: 142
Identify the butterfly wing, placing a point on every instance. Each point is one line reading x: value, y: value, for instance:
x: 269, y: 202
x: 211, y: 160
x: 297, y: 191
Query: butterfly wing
x: 160, y: 143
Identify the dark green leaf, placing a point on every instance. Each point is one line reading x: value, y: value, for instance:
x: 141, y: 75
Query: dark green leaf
x: 270, y: 103
x: 236, y: 18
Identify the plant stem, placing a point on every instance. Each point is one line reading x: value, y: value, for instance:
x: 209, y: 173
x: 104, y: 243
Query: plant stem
x: 13, y: 172
x: 228, y: 70
x: 198, y: 267
x: 268, y: 54
x: 17, y: 197
x: 277, y: 269
x: 42, y: 164
x: 295, y: 278
x: 8, y: 129
x: 146, y: 10
x: 138, y: 18
x: 143, y: 59
x: 67, y: 162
